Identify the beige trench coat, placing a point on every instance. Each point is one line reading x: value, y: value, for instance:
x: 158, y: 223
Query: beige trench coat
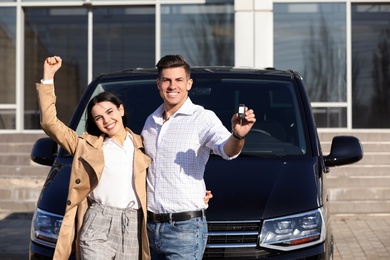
x: 87, y: 168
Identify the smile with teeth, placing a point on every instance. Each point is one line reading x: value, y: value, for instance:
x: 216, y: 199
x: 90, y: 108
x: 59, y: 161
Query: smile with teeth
x: 172, y: 94
x: 110, y: 126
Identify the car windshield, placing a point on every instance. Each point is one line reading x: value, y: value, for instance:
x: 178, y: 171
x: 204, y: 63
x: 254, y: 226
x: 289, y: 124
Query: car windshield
x: 278, y: 131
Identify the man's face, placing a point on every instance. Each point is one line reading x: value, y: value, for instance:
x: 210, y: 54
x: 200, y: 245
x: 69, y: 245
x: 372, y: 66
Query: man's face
x: 174, y: 86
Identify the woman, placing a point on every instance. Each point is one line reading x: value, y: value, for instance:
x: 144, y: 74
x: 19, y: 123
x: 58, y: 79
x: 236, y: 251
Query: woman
x: 106, y: 205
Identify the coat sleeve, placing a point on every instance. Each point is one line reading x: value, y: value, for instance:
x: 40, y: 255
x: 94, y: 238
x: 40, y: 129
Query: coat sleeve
x: 50, y: 124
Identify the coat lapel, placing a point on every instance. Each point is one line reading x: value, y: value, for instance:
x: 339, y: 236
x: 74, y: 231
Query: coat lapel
x: 95, y: 157
x: 141, y: 160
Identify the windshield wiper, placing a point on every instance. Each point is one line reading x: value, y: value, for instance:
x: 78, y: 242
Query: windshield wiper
x: 260, y: 155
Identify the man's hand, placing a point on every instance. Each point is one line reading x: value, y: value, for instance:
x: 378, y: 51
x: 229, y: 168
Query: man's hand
x: 233, y: 145
x: 50, y: 67
x: 243, y: 128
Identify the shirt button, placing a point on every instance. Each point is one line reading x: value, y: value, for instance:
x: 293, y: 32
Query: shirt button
x: 68, y: 202
x: 77, y: 181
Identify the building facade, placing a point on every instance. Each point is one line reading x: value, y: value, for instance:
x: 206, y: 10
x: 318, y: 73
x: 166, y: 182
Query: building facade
x: 341, y: 48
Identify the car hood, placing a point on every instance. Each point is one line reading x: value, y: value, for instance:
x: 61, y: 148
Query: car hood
x: 249, y: 188
x: 245, y: 188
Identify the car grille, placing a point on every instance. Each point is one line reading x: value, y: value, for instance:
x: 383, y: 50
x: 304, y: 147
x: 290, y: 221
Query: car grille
x: 233, y: 239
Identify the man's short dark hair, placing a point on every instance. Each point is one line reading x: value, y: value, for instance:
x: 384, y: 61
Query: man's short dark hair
x: 173, y: 61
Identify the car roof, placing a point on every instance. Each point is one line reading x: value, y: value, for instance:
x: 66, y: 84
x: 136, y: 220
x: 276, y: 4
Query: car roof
x: 268, y: 72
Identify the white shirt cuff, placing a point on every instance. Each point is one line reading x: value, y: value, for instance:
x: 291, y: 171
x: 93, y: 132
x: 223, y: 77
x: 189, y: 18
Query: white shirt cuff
x: 49, y: 81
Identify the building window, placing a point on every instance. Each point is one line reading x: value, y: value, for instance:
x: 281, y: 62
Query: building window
x: 123, y: 38
x: 371, y: 66
x: 60, y: 32
x: 7, y: 67
x: 330, y: 116
x: 311, y: 38
x: 202, y: 34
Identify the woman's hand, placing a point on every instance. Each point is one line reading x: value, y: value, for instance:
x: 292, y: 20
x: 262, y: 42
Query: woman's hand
x: 207, y: 197
x: 50, y: 67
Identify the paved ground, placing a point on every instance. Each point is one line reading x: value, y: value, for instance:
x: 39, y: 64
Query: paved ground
x: 15, y: 236
x: 362, y: 239
x: 354, y: 239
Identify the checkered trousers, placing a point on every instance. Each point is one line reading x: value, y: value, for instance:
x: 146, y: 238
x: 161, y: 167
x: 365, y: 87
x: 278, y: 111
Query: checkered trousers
x: 111, y: 233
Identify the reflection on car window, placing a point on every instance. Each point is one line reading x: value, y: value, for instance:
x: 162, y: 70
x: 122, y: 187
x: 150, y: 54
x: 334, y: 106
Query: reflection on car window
x: 140, y: 98
x: 278, y: 130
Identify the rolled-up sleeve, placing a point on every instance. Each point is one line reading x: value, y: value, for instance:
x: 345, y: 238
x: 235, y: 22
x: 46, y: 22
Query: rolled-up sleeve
x: 216, y: 135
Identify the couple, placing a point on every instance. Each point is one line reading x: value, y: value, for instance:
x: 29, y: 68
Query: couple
x: 106, y: 215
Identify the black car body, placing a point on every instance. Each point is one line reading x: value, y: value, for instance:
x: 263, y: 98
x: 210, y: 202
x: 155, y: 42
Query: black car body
x: 270, y: 202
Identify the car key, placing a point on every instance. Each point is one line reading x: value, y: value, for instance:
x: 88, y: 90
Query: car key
x: 241, y: 113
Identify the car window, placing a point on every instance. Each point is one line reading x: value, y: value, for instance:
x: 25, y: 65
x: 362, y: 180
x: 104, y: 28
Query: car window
x: 140, y: 98
x: 278, y: 131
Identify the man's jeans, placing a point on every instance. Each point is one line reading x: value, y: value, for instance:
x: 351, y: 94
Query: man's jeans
x: 178, y: 240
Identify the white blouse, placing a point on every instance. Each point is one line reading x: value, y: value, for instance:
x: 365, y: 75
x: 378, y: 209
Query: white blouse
x: 116, y: 186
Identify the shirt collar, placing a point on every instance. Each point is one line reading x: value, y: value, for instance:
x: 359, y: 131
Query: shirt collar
x: 108, y: 140
x: 187, y: 108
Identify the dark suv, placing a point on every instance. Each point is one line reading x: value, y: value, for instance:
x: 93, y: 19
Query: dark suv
x: 270, y: 202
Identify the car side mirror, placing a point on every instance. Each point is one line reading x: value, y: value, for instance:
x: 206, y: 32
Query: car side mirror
x: 344, y: 150
x: 45, y: 151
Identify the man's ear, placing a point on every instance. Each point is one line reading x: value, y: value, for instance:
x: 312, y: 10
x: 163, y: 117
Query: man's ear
x: 189, y: 84
x: 158, y: 83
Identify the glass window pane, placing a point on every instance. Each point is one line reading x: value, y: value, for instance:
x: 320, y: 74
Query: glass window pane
x: 60, y: 32
x: 117, y: 0
x: 7, y: 55
x: 48, y: 0
x: 330, y: 116
x: 311, y: 38
x: 370, y: 66
x: 123, y: 38
x: 202, y: 34
x: 7, y: 119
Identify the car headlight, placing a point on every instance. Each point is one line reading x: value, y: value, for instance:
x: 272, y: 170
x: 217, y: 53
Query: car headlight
x: 45, y: 227
x: 293, y: 232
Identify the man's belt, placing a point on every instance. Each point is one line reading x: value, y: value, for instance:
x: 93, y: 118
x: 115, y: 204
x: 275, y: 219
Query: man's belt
x: 180, y: 216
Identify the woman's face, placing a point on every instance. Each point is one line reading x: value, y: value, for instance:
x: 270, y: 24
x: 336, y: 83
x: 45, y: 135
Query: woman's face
x: 108, y: 118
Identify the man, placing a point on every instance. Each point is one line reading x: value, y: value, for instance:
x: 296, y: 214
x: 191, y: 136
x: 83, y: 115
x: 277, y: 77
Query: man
x: 178, y: 137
